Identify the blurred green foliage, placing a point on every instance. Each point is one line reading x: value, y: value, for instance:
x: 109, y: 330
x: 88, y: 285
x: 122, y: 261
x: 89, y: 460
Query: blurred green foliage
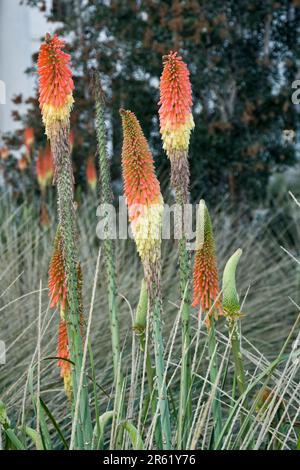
x: 242, y: 57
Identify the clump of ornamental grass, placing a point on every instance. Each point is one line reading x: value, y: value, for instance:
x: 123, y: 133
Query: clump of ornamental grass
x: 145, y: 209
x: 56, y: 100
x: 25, y: 248
x: 176, y: 124
x: 195, y: 404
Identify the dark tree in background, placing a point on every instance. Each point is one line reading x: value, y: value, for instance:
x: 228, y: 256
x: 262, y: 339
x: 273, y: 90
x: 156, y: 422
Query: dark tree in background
x: 243, y: 57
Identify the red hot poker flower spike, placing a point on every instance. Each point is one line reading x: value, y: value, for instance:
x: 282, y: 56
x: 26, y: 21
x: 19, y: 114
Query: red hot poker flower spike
x: 41, y: 170
x: 22, y: 163
x: 28, y: 138
x: 58, y: 293
x: 4, y: 153
x: 140, y: 183
x: 71, y: 141
x: 176, y: 120
x: 49, y: 164
x: 44, y: 168
x: 57, y: 282
x: 64, y: 356
x: 55, y: 84
x: 91, y: 174
x: 57, y: 277
x: 206, y: 283
x: 142, y: 191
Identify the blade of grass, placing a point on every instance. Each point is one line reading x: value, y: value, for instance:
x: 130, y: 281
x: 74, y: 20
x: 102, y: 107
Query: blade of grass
x: 84, y: 357
x: 137, y: 442
x: 54, y: 423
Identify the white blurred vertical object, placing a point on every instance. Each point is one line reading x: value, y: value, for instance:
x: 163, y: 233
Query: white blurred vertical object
x: 21, y: 29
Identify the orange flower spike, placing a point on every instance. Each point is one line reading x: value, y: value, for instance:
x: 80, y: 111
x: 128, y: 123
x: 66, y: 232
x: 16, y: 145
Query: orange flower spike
x: 57, y: 283
x: 57, y: 277
x: 28, y: 138
x: 44, y: 168
x: 49, y: 165
x: 44, y: 216
x: 176, y: 119
x: 22, y: 163
x: 55, y: 85
x: 64, y: 356
x: 140, y: 183
x: 4, y: 153
x: 58, y: 293
x: 41, y: 170
x: 206, y: 282
x: 71, y: 141
x: 91, y: 174
x: 142, y: 192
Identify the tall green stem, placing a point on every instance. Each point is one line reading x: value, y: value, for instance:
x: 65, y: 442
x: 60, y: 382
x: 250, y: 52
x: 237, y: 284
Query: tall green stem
x: 239, y: 370
x: 237, y: 356
x: 140, y: 328
x: 185, y: 403
x: 68, y: 232
x: 231, y: 307
x: 216, y: 407
x: 160, y: 374
x: 175, y: 82
x: 108, y: 244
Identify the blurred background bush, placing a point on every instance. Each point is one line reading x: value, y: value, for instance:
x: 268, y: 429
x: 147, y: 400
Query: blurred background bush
x: 243, y: 58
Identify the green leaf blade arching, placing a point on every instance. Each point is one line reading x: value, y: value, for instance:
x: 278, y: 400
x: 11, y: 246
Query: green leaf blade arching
x: 136, y: 440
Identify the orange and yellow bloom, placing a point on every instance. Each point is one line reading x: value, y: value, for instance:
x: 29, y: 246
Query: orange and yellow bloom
x: 205, y: 281
x: 142, y: 192
x: 71, y: 141
x: 4, y: 153
x: 57, y: 277
x: 22, y: 163
x: 176, y: 119
x: 91, y: 174
x: 58, y: 294
x: 28, y: 139
x: 44, y: 168
x: 64, y: 357
x: 55, y: 85
x: 44, y: 215
x: 56, y: 100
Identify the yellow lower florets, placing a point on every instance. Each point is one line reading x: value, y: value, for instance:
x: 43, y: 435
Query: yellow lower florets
x: 56, y: 116
x: 177, y: 139
x: 146, y: 229
x: 68, y: 386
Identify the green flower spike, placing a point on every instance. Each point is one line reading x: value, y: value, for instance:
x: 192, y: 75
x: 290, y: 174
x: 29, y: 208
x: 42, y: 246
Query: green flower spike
x: 231, y: 304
